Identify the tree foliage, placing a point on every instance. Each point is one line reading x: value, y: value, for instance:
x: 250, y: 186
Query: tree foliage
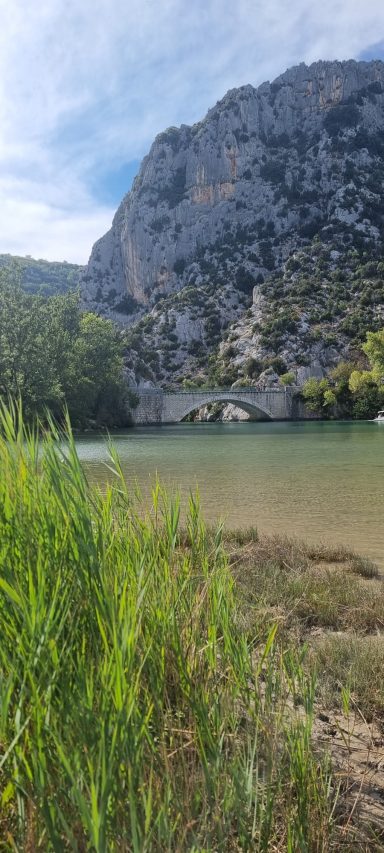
x: 314, y: 393
x: 347, y: 391
x: 374, y: 349
x: 52, y: 356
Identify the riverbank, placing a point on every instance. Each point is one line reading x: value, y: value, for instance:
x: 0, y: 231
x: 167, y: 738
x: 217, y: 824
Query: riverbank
x: 171, y: 688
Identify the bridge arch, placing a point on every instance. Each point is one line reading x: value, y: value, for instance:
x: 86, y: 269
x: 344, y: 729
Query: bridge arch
x: 251, y: 408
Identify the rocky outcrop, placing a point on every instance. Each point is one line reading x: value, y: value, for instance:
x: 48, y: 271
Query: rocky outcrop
x: 220, y: 208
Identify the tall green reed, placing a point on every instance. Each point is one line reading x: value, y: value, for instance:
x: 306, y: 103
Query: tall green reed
x: 135, y: 713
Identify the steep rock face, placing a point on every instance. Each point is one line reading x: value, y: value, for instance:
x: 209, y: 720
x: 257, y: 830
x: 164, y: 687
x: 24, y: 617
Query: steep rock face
x: 219, y: 207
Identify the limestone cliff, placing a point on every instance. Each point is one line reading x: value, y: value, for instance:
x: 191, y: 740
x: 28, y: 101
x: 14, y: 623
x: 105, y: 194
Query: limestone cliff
x: 221, y: 207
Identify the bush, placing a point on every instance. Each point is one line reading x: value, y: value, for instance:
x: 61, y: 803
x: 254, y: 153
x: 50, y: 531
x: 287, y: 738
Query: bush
x: 277, y: 363
x: 253, y: 367
x: 273, y: 171
x: 340, y: 117
x: 288, y: 378
x: 179, y: 266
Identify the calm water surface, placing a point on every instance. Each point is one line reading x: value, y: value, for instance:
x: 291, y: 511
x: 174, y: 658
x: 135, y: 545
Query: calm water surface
x: 321, y: 481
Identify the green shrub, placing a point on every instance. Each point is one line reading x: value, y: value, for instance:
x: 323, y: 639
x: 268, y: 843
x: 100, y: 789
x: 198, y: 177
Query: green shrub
x: 287, y: 378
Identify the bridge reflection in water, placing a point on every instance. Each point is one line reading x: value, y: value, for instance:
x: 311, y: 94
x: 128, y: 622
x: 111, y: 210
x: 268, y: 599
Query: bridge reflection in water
x: 156, y: 406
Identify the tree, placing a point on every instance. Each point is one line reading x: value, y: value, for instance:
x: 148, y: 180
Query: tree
x: 374, y: 349
x: 367, y: 386
x: 93, y: 381
x: 329, y: 398
x: 368, y: 401
x: 25, y: 369
x: 51, y: 355
x: 339, y: 378
x: 360, y: 379
x: 313, y: 393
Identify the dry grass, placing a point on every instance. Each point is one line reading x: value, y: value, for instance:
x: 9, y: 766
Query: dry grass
x: 328, y: 602
x: 350, y: 561
x: 352, y: 662
x: 328, y: 598
x: 307, y: 587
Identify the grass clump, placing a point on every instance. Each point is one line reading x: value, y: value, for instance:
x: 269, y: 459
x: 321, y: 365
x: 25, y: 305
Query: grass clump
x: 135, y: 713
x: 241, y: 536
x: 305, y: 587
x: 351, y: 561
x: 355, y: 663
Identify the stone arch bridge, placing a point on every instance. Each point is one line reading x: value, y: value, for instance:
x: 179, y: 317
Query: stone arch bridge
x: 156, y: 406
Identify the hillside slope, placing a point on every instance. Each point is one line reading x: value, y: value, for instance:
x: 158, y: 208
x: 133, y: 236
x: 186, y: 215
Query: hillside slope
x: 45, y: 277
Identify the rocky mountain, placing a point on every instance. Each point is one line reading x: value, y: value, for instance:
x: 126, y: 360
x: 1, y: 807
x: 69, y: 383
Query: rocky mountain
x: 45, y: 277
x: 253, y: 240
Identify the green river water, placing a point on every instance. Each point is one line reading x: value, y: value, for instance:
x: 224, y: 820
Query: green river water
x: 321, y: 481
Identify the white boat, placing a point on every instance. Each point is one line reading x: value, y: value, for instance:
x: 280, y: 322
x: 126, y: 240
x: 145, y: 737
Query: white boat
x: 380, y: 416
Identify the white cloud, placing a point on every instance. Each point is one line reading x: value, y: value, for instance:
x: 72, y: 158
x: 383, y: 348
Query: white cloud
x: 52, y: 234
x: 85, y: 86
x: 54, y: 220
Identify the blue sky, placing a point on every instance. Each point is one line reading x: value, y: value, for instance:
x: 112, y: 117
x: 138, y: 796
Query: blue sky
x: 85, y: 85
